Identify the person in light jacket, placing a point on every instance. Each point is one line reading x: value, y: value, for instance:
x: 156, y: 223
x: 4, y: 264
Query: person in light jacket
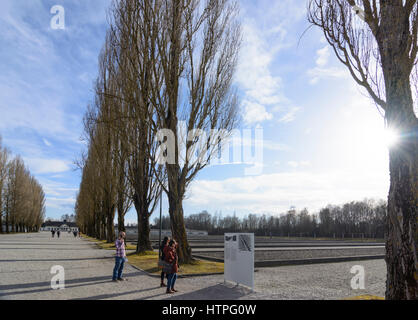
x: 119, y: 258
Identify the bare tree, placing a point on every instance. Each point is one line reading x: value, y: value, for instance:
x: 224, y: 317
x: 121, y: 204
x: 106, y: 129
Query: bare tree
x: 104, y: 144
x: 195, y: 59
x: 155, y: 52
x: 377, y: 42
x: 132, y: 68
x: 22, y: 200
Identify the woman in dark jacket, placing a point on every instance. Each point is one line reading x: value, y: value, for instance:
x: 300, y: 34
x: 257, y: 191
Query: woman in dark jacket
x: 162, y: 246
x: 170, y: 255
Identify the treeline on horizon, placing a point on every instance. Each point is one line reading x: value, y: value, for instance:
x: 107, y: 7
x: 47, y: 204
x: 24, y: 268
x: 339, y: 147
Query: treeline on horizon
x: 355, y: 219
x: 22, y: 199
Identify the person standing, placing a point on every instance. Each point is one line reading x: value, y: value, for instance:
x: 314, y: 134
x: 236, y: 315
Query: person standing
x: 53, y: 232
x: 120, y: 258
x: 170, y: 253
x: 58, y: 233
x: 164, y: 243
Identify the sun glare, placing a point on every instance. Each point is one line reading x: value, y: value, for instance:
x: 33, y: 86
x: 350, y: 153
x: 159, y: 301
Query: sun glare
x: 390, y: 137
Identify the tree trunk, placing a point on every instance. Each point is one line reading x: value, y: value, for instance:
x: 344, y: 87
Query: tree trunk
x: 110, y: 234
x: 401, y: 226
x: 7, y: 222
x: 103, y: 230
x: 144, y: 242
x: 97, y: 224
x: 121, y: 218
x: 178, y: 229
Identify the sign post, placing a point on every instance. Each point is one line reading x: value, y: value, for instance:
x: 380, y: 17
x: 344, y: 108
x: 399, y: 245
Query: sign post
x: 239, y: 258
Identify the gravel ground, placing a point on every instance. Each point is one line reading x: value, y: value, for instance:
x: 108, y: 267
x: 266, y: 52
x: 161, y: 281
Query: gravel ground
x: 297, y: 253
x: 26, y: 261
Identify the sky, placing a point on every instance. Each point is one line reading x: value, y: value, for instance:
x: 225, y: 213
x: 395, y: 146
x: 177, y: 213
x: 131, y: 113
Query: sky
x: 321, y: 138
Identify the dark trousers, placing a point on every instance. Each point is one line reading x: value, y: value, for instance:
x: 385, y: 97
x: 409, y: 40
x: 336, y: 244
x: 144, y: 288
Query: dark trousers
x: 172, y: 277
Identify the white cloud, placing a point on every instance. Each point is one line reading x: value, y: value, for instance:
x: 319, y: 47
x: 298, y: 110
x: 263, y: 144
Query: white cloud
x: 290, y: 115
x: 298, y: 164
x: 323, y: 56
x: 43, y: 166
x: 318, y: 73
x: 322, y: 70
x: 47, y: 143
x: 60, y: 203
x: 255, y: 113
x: 262, y: 88
x: 60, y: 196
x: 275, y: 193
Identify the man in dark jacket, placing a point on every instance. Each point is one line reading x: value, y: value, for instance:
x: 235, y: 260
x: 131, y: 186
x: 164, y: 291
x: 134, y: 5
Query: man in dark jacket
x: 164, y: 243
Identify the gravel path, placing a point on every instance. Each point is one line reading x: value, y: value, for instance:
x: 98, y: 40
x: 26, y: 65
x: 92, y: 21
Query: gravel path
x: 261, y: 254
x: 26, y: 261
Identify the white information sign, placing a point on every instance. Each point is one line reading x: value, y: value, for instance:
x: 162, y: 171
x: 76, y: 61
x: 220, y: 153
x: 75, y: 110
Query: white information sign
x: 239, y: 258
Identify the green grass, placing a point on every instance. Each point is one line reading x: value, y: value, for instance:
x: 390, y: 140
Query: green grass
x: 148, y: 262
x: 365, y: 297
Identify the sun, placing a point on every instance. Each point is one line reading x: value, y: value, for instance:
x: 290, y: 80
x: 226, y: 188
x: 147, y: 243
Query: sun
x: 390, y: 137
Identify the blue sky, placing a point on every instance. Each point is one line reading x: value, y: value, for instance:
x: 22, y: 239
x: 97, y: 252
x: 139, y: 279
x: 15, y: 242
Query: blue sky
x: 323, y: 138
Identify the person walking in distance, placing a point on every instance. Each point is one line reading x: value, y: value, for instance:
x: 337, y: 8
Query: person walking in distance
x: 163, y: 244
x: 120, y: 258
x: 53, y: 233
x: 58, y: 233
x: 170, y: 254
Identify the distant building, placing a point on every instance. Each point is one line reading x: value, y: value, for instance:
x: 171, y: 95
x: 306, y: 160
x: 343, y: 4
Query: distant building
x: 59, y: 225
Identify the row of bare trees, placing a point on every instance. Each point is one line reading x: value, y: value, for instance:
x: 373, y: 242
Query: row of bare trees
x: 360, y: 218
x: 354, y: 219
x: 22, y: 200
x: 163, y: 104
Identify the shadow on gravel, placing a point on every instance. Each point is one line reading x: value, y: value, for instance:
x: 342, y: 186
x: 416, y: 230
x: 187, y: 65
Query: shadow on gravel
x: 49, y: 289
x: 216, y: 292
x: 67, y: 282
x: 54, y: 260
x: 114, y: 295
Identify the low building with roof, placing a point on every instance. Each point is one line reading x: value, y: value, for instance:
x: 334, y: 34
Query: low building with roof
x: 59, y: 225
